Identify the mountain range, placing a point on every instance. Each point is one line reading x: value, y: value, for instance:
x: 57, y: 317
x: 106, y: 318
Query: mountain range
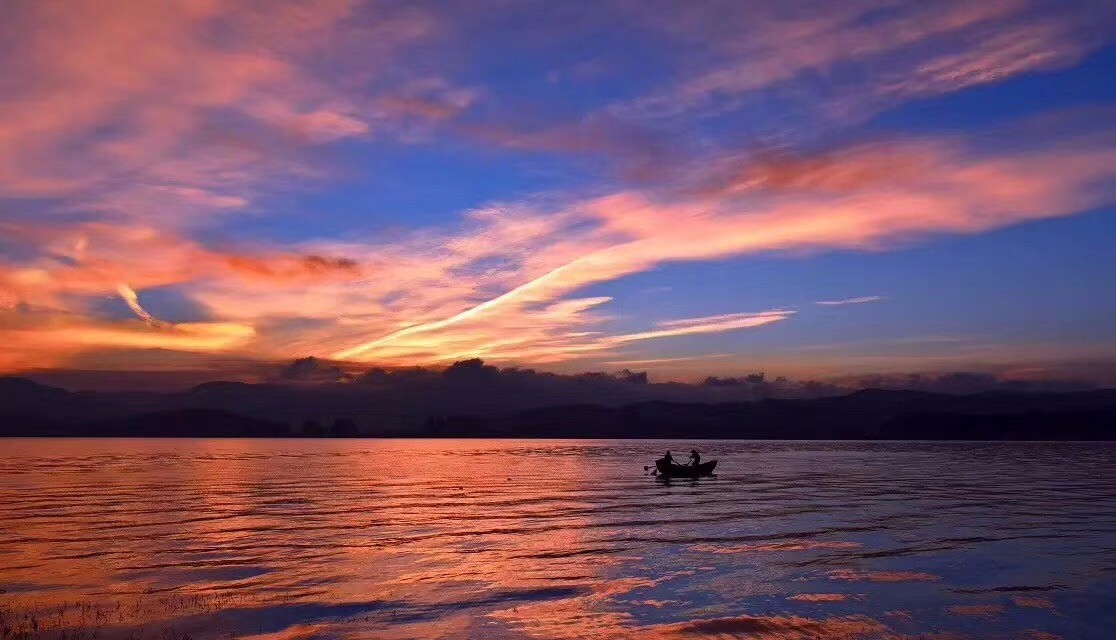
x: 472, y: 408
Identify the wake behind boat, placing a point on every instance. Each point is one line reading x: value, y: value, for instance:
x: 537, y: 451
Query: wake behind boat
x: 672, y: 470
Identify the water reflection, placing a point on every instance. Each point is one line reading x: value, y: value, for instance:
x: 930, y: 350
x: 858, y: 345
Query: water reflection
x: 533, y: 539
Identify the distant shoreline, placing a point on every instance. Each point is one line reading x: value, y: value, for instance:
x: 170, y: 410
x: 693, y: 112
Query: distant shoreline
x: 244, y: 411
x: 551, y: 439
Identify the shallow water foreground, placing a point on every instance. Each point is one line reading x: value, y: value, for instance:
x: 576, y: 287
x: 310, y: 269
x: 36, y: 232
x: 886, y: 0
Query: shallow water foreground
x: 555, y: 539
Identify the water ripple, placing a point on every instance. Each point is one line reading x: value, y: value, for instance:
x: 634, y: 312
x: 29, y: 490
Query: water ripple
x: 555, y: 539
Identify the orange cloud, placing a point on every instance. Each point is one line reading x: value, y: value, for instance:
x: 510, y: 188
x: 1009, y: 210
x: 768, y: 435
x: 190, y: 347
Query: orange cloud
x: 137, y: 125
x: 503, y: 285
x: 952, y: 192
x: 50, y: 341
x: 203, y: 336
x: 92, y: 259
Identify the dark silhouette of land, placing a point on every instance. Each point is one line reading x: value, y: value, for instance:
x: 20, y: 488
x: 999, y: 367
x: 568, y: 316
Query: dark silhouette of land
x: 471, y: 399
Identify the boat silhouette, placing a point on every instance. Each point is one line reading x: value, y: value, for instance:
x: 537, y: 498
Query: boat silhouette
x: 671, y: 470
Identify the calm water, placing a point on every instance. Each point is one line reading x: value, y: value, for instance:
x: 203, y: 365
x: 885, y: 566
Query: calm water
x: 556, y: 539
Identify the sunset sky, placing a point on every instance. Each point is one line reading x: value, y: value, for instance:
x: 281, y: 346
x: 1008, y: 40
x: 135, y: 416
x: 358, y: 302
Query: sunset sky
x: 811, y: 189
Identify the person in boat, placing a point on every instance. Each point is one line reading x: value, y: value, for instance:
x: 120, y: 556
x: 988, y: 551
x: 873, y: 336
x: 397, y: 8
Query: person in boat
x: 669, y: 459
x: 695, y: 458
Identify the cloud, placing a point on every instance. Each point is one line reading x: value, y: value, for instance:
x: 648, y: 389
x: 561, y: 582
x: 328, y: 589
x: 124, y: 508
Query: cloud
x: 709, y: 324
x: 917, y: 189
x: 1009, y: 52
x: 199, y: 336
x: 65, y: 263
x: 311, y: 369
x: 859, y: 300
x: 49, y: 339
x: 653, y: 361
x: 132, y: 300
x: 130, y: 134
x: 505, y: 283
x: 128, y: 104
x: 965, y: 382
x: 641, y: 153
x: 759, y: 55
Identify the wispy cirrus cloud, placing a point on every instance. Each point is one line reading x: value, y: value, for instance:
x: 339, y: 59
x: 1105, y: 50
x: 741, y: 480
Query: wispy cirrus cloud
x: 906, y: 191
x: 761, y: 53
x: 708, y: 324
x: 500, y: 285
x: 654, y: 361
x: 128, y: 129
x: 181, y: 113
x: 845, y: 301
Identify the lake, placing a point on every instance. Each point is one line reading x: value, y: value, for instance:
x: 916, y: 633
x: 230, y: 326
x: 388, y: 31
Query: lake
x: 555, y: 539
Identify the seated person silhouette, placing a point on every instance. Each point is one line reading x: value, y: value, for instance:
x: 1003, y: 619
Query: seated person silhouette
x: 695, y: 458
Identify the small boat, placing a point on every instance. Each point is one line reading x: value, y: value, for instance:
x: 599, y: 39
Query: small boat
x: 669, y: 470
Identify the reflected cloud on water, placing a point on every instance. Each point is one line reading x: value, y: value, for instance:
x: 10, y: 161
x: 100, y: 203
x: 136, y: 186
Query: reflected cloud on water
x: 289, y: 539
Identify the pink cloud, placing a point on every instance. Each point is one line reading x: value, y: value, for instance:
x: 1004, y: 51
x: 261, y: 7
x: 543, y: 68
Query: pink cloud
x: 908, y: 50
x: 106, y: 101
x: 951, y: 192
x: 504, y: 284
x: 143, y: 123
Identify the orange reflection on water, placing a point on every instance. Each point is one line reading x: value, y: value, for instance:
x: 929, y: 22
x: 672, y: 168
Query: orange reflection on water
x: 293, y: 539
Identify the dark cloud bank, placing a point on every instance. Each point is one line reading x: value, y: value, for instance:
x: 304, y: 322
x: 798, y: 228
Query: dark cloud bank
x: 311, y: 397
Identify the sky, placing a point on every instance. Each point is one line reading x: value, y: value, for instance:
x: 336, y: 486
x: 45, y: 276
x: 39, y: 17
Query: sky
x: 810, y: 189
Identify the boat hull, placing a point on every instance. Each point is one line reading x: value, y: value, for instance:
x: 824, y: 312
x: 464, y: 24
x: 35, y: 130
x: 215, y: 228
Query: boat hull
x: 685, y: 471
